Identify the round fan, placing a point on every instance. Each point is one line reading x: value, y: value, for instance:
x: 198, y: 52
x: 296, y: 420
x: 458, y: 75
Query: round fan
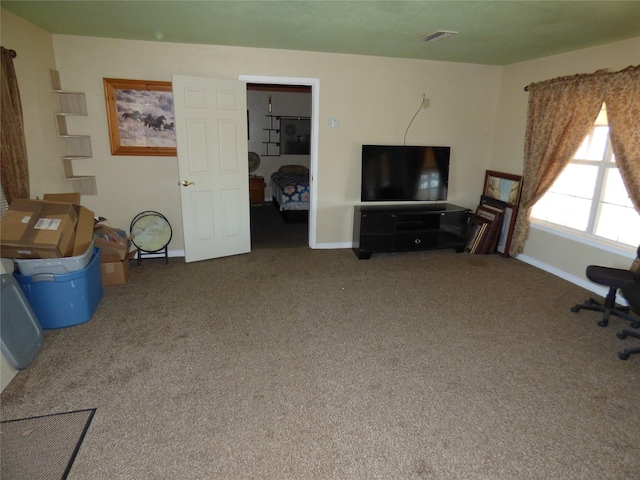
x: 254, y: 161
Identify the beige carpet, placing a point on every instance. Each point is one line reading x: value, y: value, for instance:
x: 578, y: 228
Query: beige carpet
x: 310, y: 364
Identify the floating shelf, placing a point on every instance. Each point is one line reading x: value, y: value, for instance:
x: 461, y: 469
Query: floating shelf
x: 78, y: 146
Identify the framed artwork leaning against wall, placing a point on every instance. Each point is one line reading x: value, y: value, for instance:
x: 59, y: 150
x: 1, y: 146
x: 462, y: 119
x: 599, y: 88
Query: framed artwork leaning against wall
x: 502, y: 190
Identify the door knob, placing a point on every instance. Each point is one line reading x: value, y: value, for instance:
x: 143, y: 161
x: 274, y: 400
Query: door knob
x: 186, y: 183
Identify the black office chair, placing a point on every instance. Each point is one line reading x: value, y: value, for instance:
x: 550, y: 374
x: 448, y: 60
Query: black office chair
x: 631, y: 293
x: 614, y: 278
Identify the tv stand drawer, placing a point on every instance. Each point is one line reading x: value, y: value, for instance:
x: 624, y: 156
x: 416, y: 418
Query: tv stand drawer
x: 404, y: 242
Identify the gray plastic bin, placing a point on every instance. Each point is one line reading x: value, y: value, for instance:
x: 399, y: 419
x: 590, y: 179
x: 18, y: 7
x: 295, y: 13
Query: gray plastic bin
x: 56, y: 266
x: 21, y: 335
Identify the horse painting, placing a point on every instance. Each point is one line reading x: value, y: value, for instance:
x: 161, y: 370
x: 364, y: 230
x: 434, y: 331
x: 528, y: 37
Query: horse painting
x: 154, y: 122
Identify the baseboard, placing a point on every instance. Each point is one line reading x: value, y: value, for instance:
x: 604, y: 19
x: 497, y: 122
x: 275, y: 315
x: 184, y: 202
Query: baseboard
x: 581, y: 282
x: 333, y: 246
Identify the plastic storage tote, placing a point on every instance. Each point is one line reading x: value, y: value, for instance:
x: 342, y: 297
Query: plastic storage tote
x: 34, y: 266
x: 64, y: 300
x: 21, y: 335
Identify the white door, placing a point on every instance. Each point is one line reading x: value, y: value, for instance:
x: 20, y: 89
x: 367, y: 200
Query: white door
x: 211, y: 132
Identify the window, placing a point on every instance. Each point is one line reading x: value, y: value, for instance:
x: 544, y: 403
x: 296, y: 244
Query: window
x: 589, y: 197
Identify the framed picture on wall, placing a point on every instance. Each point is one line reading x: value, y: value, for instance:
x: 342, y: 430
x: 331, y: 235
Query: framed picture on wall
x: 140, y: 116
x: 295, y: 135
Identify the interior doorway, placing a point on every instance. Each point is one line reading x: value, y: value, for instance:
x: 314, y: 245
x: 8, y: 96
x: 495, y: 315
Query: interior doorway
x: 271, y: 88
x: 279, y: 134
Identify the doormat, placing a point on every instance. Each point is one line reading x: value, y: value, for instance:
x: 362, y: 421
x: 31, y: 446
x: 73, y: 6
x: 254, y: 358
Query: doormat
x: 42, y: 447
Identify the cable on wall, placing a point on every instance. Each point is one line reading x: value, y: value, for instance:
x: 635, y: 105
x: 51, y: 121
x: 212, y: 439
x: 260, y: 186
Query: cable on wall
x: 423, y: 104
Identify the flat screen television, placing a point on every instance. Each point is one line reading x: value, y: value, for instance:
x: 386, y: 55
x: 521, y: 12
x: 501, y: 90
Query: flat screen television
x: 404, y: 173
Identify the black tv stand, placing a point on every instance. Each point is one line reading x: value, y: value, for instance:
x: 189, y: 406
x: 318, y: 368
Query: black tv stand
x: 404, y: 228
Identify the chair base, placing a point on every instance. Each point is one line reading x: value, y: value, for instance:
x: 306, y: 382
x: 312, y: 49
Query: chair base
x: 624, y: 354
x: 608, y: 308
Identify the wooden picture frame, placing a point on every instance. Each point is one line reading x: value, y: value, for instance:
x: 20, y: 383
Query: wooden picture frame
x: 503, y: 190
x: 295, y: 136
x: 502, y: 186
x: 141, y: 117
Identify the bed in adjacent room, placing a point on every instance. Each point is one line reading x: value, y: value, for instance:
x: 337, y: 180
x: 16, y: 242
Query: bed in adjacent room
x: 290, y: 192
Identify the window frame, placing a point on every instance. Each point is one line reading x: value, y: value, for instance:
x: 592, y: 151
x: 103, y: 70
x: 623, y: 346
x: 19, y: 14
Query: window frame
x: 588, y: 237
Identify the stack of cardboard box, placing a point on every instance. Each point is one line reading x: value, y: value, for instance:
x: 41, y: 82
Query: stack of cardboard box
x: 45, y: 229
x: 115, y: 255
x: 58, y: 227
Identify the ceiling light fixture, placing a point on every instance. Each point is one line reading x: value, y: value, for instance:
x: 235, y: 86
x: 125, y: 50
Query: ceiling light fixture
x: 439, y: 35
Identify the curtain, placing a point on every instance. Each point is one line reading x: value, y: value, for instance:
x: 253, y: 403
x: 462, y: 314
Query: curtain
x: 561, y: 113
x: 622, y: 97
x: 14, y: 169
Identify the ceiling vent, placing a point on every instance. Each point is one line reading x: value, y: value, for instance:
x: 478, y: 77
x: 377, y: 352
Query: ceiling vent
x: 439, y: 35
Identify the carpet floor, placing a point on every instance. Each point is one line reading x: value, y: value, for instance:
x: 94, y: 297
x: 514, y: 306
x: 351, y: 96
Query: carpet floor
x: 298, y: 363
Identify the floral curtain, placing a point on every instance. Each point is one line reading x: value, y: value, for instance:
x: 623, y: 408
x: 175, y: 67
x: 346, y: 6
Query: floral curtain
x: 14, y: 169
x: 561, y: 113
x: 622, y: 96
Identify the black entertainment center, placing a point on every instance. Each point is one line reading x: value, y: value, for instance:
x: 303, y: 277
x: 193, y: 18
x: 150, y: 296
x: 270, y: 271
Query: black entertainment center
x: 404, y: 228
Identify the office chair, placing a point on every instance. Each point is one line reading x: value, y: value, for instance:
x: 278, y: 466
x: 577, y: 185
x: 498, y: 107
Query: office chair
x: 631, y: 292
x: 614, y: 278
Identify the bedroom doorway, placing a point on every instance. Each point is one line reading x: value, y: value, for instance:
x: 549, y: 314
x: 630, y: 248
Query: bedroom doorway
x: 277, y: 98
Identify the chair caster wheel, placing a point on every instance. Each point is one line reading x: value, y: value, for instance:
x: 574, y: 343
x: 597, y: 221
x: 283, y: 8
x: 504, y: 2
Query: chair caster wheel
x: 635, y: 325
x: 590, y: 302
x: 623, y: 356
x: 621, y: 335
x: 603, y: 323
x: 575, y: 309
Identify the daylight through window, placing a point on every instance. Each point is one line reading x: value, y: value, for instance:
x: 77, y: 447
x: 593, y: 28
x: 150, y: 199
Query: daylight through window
x: 589, y: 197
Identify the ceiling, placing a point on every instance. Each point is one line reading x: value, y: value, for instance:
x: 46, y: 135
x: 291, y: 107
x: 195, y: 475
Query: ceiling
x: 490, y: 32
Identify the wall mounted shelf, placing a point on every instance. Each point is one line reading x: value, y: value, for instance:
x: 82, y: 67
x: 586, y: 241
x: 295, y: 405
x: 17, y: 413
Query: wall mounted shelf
x: 78, y: 146
x: 272, y: 145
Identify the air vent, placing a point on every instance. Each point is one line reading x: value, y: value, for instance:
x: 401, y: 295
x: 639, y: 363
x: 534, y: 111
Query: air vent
x: 439, y: 35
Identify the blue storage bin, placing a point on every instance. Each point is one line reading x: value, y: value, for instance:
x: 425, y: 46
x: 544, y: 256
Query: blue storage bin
x: 67, y: 299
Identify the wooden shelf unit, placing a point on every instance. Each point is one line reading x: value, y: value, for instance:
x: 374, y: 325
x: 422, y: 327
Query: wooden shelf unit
x: 78, y: 146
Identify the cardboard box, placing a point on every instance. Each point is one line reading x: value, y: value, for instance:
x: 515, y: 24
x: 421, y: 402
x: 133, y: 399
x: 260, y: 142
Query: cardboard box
x: 73, y: 197
x: 38, y: 229
x: 109, y: 249
x: 115, y: 271
x: 84, y: 230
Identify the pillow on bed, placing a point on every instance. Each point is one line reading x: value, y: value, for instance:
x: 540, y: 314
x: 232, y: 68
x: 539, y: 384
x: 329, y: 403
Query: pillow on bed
x: 293, y: 169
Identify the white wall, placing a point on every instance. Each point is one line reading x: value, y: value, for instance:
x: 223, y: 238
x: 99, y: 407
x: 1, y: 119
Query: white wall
x: 373, y: 98
x: 563, y: 256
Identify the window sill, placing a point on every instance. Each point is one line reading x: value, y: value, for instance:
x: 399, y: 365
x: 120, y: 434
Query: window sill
x: 592, y: 241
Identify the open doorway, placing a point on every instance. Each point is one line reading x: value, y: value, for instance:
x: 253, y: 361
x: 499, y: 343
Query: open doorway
x: 282, y: 124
